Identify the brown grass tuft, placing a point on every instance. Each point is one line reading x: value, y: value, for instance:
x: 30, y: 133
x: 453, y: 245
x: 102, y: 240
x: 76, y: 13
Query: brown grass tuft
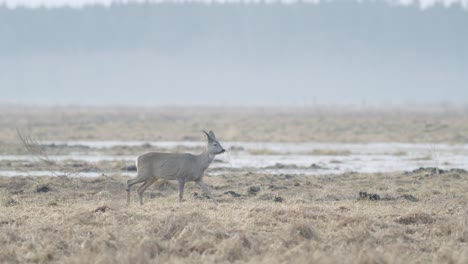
x: 416, y: 218
x: 303, y: 230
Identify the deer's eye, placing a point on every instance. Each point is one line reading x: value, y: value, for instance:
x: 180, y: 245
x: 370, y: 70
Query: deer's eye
x: 215, y: 144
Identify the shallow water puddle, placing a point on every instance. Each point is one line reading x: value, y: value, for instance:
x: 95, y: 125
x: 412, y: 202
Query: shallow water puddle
x: 285, y: 148
x: 279, y: 158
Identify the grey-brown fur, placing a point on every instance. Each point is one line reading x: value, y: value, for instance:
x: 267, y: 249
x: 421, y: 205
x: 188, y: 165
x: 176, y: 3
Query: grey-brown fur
x: 185, y: 167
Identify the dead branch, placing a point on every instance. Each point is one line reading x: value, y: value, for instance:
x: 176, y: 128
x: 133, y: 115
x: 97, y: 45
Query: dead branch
x: 38, y: 151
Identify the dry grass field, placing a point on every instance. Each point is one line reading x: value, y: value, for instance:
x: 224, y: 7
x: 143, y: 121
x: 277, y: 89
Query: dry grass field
x: 417, y: 216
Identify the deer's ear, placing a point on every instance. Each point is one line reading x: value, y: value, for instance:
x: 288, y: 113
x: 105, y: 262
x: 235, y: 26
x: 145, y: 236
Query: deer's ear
x: 212, y: 134
x: 208, y: 135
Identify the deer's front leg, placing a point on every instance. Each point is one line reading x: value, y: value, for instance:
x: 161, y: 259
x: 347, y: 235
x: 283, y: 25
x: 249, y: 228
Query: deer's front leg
x: 181, y: 189
x: 202, y: 185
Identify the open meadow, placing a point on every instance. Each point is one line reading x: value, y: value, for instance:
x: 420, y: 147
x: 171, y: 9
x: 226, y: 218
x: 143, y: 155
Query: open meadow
x: 296, y: 185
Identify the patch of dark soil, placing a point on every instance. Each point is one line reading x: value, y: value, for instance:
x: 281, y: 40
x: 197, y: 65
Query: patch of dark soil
x: 459, y: 171
x: 7, y: 222
x: 369, y: 196
x: 43, y: 188
x: 253, y: 190
x: 129, y: 168
x: 377, y: 197
x: 102, y: 209
x: 282, y: 166
x: 278, y: 199
x: 416, y: 218
x: 233, y: 194
x: 432, y: 171
x: 429, y: 171
x: 266, y: 197
x: 78, y: 165
x: 271, y: 197
x: 146, y: 145
x: 202, y: 196
x: 274, y: 187
x: 409, y: 197
x: 316, y: 167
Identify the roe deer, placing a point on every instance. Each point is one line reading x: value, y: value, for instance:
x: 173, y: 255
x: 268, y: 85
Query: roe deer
x: 185, y: 167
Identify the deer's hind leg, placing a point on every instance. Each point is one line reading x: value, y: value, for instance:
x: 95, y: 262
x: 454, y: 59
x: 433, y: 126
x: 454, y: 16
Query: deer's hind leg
x: 131, y: 182
x: 143, y: 188
x: 181, y: 189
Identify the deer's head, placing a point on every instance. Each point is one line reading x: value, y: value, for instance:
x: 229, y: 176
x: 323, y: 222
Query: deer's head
x: 214, y: 147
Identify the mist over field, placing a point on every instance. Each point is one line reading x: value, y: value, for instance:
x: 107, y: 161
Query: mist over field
x: 218, y: 54
x: 233, y: 131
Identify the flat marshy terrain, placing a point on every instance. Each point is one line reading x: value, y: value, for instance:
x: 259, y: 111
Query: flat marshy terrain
x: 346, y: 124
x: 419, y: 216
x: 297, y: 185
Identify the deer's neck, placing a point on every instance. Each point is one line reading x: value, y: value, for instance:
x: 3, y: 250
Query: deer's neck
x: 205, y: 160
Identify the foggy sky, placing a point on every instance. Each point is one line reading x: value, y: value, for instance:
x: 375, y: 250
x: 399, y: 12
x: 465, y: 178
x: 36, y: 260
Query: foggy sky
x: 340, y: 52
x: 423, y: 4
